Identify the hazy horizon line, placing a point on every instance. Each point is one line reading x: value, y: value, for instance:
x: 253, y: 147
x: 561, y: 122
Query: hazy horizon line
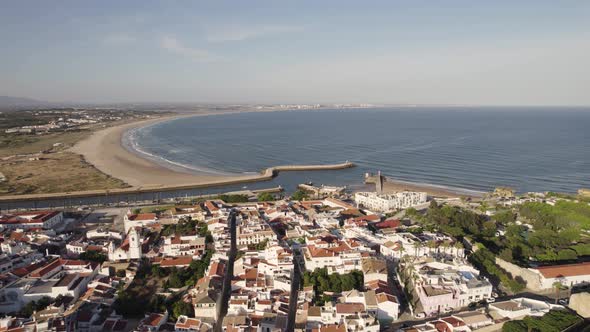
x: 251, y: 103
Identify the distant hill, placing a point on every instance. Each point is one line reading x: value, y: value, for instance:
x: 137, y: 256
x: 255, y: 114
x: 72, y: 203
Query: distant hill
x: 8, y: 102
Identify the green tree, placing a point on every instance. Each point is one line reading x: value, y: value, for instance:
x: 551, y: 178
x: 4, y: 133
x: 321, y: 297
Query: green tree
x: 174, y: 280
x: 158, y: 271
x: 515, y: 326
x: 505, y: 218
x: 265, y: 197
x: 261, y: 245
x: 411, y: 212
x: 158, y: 304
x: 506, y: 254
x: 94, y: 256
x: 299, y: 195
x: 558, y: 286
x: 335, y: 283
x: 181, y: 308
x: 33, y: 306
x: 433, y: 205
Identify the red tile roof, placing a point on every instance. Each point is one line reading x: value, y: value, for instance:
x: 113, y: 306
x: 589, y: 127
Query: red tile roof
x: 331, y: 328
x: 319, y: 252
x: 389, y: 223
x: 28, y: 217
x: 153, y: 319
x: 23, y: 271
x: 371, y: 217
x: 210, y: 206
x: 454, y: 321
x: 46, y: 268
x: 349, y: 308
x: 216, y: 269
x: 567, y: 270
x: 178, y: 261
x: 142, y: 217
x: 187, y: 323
x: 442, y: 326
x: 384, y: 297
x: 340, y: 203
x: 40, y: 272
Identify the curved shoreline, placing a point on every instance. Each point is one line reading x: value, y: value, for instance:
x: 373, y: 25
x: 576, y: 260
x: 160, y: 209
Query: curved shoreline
x: 104, y: 149
x: 129, y: 142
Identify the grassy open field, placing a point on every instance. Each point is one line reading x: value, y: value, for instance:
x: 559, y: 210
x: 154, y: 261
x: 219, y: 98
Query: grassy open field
x: 34, y: 164
x: 55, y: 172
x: 42, y: 163
x: 11, y: 144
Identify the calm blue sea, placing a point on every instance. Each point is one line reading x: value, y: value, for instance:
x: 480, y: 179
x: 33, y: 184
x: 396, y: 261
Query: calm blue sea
x: 530, y: 149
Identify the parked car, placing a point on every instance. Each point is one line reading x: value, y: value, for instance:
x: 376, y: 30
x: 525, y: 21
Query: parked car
x: 490, y: 300
x: 419, y: 315
x: 563, y: 301
x: 494, y: 295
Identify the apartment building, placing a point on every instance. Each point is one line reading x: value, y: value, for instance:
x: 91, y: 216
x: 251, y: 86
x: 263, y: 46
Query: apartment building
x: 389, y: 202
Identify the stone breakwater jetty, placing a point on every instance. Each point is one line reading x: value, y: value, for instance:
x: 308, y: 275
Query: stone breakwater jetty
x: 265, y: 175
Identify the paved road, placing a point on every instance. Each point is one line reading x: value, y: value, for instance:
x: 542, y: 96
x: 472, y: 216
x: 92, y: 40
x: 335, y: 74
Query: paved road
x: 223, y: 301
x: 294, y: 293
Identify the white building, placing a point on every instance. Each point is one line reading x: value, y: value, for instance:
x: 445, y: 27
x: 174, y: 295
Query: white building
x: 244, y: 239
x: 152, y: 322
x: 441, y: 287
x: 131, y: 220
x: 14, y: 247
x: 76, y: 248
x: 32, y: 219
x: 189, y: 245
x: 99, y: 233
x: 192, y: 211
x: 187, y: 324
x: 567, y: 274
x: 389, y: 202
x: 129, y: 249
x: 521, y: 307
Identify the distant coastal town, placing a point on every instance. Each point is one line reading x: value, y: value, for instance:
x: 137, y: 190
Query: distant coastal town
x: 105, y: 251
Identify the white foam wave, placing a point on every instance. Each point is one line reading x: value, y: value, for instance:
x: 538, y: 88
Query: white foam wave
x: 130, y: 143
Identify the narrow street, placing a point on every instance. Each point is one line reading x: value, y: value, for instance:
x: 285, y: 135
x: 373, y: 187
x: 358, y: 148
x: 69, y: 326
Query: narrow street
x: 223, y: 300
x: 294, y: 292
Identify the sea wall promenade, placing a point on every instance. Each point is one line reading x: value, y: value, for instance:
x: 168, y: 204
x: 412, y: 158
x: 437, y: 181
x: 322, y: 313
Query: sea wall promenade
x: 266, y: 174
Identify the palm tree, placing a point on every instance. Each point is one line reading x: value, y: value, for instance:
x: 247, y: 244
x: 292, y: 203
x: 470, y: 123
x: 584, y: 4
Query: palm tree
x: 445, y: 245
x: 458, y: 246
x: 417, y: 246
x: 558, y: 286
x: 431, y: 245
x: 483, y: 207
x: 401, y: 251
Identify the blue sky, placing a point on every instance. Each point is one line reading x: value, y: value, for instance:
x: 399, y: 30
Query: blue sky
x: 424, y: 52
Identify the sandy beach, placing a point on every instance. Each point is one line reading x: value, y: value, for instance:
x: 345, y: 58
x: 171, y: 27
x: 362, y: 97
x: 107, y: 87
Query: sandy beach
x: 104, y: 150
x: 391, y: 186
